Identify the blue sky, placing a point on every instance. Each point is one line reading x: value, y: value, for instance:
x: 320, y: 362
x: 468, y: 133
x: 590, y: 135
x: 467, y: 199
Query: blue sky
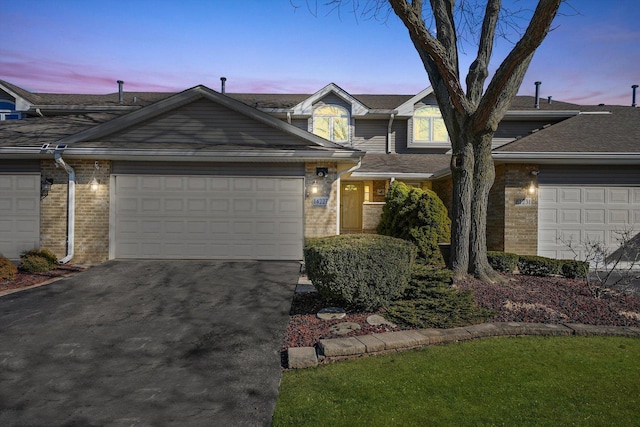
x: 83, y: 46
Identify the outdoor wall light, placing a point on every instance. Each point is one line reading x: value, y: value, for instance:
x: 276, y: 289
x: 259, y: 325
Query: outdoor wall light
x: 532, y: 189
x: 94, y: 184
x: 45, y: 187
x: 313, y: 189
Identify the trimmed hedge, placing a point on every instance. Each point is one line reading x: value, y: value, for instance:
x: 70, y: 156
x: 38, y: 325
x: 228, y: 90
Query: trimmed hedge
x: 418, y: 216
x: 531, y: 265
x: 8, y: 269
x: 365, y: 271
x: 503, y: 262
x: 38, y: 261
x: 573, y: 269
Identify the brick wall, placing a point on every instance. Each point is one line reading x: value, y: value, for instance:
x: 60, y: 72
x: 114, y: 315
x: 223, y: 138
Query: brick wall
x: 521, y: 220
x: 371, y: 213
x: 320, y: 221
x: 495, y: 212
x: 91, y: 211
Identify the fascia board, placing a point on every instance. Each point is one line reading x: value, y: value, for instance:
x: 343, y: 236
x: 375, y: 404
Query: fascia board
x: 386, y: 175
x: 406, y: 109
x: 189, y: 155
x: 539, y: 114
x: 306, y: 106
x: 83, y: 108
x: 567, y: 158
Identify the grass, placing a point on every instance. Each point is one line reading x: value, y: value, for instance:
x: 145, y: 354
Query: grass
x: 528, y: 381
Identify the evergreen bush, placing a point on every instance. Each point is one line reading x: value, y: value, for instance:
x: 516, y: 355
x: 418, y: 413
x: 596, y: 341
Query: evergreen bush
x: 38, y: 260
x: 503, y: 262
x: 418, y: 216
x: 8, y: 269
x: 363, y: 271
x: 531, y: 265
x: 573, y: 269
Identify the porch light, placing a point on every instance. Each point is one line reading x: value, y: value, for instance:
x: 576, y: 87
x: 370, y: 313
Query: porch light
x: 45, y: 187
x: 314, y: 187
x: 94, y: 184
x: 532, y: 189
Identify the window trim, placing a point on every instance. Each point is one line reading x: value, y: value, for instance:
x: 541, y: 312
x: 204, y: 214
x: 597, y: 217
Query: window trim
x: 413, y: 143
x: 331, y: 117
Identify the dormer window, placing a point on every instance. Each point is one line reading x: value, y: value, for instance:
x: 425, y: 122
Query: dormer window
x: 331, y: 122
x: 428, y: 126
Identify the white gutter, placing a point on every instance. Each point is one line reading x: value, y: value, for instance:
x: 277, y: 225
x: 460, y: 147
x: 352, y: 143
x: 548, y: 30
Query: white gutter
x: 338, y: 193
x: 71, y: 206
x: 397, y: 175
x: 391, y: 117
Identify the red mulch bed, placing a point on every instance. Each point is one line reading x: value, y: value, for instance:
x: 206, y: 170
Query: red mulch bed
x: 520, y: 299
x: 23, y: 280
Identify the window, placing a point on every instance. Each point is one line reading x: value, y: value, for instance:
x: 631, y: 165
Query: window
x: 7, y: 110
x: 428, y: 125
x: 332, y: 123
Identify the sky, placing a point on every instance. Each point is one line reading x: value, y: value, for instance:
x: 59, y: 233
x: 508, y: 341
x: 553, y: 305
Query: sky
x: 591, y: 56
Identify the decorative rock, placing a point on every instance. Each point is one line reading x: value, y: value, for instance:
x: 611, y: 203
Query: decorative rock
x: 344, y: 328
x: 377, y: 320
x: 331, y: 313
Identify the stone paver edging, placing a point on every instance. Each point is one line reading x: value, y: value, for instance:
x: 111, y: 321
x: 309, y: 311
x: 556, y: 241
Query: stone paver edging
x: 344, y: 348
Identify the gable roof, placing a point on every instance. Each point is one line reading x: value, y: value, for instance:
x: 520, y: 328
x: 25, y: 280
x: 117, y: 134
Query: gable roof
x: 306, y: 106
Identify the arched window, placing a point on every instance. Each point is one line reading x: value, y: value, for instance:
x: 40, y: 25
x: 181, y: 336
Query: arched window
x: 331, y: 122
x: 428, y: 125
x: 5, y: 104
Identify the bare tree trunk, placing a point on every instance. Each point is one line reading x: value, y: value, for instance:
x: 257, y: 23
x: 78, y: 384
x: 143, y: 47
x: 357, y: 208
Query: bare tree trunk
x: 484, y: 176
x: 462, y: 164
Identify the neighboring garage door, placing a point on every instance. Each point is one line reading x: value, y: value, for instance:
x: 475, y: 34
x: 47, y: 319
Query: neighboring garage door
x: 207, y: 217
x: 19, y: 213
x: 588, y: 210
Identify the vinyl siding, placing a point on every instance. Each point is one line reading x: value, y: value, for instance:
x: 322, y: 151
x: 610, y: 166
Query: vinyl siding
x: 370, y: 135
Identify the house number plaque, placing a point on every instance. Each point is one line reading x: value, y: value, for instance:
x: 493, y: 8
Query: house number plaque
x: 320, y: 201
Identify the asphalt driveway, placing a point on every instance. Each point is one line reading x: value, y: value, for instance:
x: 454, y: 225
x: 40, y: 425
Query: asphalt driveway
x: 147, y: 343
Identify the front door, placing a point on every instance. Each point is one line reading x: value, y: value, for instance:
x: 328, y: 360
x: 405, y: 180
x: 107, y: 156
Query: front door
x: 351, y: 206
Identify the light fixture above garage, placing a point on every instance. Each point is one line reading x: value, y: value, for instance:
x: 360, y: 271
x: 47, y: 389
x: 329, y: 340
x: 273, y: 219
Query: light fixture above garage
x: 94, y: 184
x: 45, y: 187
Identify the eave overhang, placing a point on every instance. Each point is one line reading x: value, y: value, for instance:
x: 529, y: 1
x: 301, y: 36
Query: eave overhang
x: 567, y: 158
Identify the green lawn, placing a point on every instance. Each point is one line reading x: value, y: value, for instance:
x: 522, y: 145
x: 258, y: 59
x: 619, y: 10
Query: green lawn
x: 529, y: 381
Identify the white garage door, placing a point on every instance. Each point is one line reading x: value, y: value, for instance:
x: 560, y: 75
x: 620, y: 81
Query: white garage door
x: 584, y: 213
x: 203, y: 217
x: 19, y: 213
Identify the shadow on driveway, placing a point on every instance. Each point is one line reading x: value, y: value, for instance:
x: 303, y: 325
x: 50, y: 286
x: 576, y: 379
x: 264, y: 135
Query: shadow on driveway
x: 189, y: 343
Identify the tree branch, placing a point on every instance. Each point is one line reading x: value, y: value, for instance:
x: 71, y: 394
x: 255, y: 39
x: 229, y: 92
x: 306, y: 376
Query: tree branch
x: 509, y: 75
x: 479, y: 69
x: 427, y: 45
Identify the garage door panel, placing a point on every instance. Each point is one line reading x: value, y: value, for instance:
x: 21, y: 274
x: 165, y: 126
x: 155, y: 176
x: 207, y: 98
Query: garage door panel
x: 208, y: 217
x: 596, y: 212
x: 19, y: 213
x: 594, y: 216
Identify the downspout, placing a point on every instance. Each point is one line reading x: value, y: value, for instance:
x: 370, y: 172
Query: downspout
x: 356, y: 167
x: 391, y: 117
x: 71, y: 206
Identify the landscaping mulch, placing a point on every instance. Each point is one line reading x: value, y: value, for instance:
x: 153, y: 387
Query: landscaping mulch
x: 519, y: 299
x: 23, y: 280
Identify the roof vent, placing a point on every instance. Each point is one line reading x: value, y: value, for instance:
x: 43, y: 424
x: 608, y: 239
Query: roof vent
x: 537, y: 100
x: 633, y: 96
x: 120, y: 92
x: 223, y: 80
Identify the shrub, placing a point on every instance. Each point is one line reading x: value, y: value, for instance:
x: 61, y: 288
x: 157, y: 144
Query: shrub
x: 42, y: 252
x: 531, y: 265
x: 364, y: 271
x: 573, y: 269
x: 38, y: 260
x: 418, y: 216
x: 503, y: 262
x: 431, y: 302
x: 8, y: 269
